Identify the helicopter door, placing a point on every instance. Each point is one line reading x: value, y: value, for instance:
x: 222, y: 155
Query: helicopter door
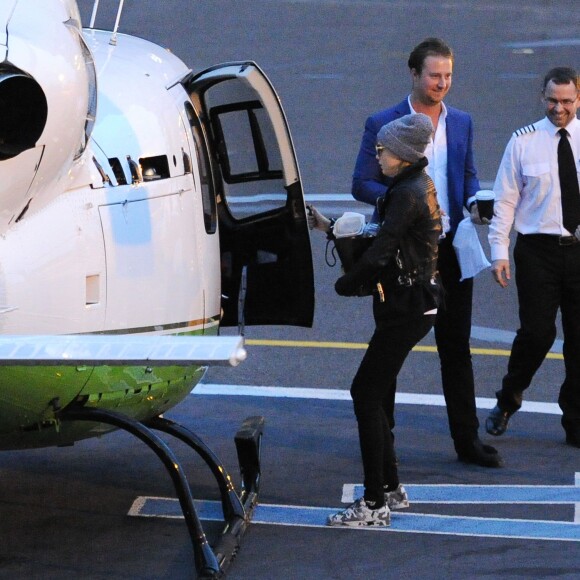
x: 266, y: 259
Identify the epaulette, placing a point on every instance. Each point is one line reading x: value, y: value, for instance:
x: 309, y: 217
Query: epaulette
x: 524, y: 130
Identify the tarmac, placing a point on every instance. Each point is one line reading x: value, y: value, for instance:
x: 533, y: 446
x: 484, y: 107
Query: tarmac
x: 105, y: 508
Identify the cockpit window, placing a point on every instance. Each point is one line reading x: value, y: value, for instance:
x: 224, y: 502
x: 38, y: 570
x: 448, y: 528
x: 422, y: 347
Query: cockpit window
x: 92, y: 87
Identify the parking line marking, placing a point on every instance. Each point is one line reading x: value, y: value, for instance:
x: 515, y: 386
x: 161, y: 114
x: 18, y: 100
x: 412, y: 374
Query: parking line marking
x: 549, y: 43
x: 479, y: 494
x: 577, y: 505
x: 344, y: 395
x: 315, y: 517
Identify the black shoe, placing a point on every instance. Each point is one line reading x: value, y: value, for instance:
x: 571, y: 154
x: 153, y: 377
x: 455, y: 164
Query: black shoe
x: 479, y: 454
x: 573, y: 438
x: 497, y: 421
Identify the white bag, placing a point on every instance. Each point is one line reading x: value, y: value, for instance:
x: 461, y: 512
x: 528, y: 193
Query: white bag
x: 468, y: 249
x: 349, y: 224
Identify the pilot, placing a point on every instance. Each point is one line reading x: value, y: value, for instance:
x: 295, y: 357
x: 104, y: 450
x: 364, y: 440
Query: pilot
x: 537, y: 193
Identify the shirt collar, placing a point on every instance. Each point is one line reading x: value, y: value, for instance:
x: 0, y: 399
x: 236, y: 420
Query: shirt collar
x: 442, y: 115
x: 571, y: 127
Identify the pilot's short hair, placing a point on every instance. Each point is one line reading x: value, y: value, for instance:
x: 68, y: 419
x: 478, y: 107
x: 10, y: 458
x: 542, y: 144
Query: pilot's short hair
x: 561, y: 75
x: 429, y: 47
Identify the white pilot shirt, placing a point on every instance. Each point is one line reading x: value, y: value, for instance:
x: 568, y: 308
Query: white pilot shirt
x: 527, y: 186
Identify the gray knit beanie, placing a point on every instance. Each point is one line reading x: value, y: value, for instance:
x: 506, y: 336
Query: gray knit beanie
x: 407, y: 137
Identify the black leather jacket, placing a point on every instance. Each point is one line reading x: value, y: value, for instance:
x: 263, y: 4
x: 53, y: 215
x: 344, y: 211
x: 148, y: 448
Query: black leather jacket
x: 404, y: 253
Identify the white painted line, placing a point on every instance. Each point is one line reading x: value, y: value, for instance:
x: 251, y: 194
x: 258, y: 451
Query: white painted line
x: 344, y: 395
x: 492, y: 334
x: 289, y: 392
x: 577, y: 505
x: 545, y: 43
x: 320, y: 197
x: 138, y: 506
x: 315, y: 517
x: 323, y: 76
x: 505, y: 337
x: 281, y: 197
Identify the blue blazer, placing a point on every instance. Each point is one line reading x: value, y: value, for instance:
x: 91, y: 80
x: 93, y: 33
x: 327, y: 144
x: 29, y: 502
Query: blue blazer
x: 368, y: 182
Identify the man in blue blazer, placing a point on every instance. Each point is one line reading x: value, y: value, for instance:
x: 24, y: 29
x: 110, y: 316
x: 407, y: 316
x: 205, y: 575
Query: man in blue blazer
x: 452, y: 169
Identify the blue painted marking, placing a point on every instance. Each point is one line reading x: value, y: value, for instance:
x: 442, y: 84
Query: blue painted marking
x: 472, y: 494
x: 486, y: 527
x: 400, y: 522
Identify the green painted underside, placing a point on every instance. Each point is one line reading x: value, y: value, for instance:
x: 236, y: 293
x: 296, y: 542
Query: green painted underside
x: 29, y: 396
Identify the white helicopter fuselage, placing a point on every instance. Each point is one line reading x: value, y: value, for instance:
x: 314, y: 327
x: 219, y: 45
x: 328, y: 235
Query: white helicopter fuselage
x: 98, y: 256
x: 117, y: 169
x: 120, y: 171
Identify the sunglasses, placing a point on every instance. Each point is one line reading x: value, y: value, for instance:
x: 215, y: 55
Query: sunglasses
x: 379, y: 149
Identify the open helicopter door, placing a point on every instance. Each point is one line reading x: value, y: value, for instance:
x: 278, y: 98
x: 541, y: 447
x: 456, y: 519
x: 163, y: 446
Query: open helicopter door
x: 266, y: 259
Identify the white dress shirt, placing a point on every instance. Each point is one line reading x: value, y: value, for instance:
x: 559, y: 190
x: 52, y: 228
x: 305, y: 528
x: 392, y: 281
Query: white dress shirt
x: 436, y: 153
x: 527, y: 186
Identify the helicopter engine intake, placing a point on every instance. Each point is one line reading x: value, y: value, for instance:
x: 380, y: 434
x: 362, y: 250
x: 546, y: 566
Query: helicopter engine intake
x: 23, y: 113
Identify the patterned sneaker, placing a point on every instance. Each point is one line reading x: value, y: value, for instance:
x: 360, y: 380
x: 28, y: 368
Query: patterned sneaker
x: 360, y: 514
x: 398, y: 499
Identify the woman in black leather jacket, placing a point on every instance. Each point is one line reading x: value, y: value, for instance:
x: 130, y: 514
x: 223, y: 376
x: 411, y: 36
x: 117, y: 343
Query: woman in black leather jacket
x: 400, y: 268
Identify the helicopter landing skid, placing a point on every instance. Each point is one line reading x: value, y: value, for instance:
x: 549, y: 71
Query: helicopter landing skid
x: 237, y: 509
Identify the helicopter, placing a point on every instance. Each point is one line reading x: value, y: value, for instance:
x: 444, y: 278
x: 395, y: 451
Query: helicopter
x: 142, y: 207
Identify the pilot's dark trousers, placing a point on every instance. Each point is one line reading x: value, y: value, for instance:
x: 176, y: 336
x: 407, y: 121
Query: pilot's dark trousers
x: 452, y: 335
x: 547, y: 278
x: 372, y: 390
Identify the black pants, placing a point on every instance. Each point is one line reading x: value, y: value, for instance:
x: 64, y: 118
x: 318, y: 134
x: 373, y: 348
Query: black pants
x: 372, y: 390
x: 547, y: 278
x: 452, y: 336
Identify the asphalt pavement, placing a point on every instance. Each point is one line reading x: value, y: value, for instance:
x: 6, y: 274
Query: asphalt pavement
x: 65, y: 512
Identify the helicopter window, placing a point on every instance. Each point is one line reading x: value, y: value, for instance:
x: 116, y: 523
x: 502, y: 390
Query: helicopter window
x: 247, y: 144
x: 92, y: 88
x: 249, y: 157
x: 118, y: 171
x: 203, y: 163
x: 154, y: 168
